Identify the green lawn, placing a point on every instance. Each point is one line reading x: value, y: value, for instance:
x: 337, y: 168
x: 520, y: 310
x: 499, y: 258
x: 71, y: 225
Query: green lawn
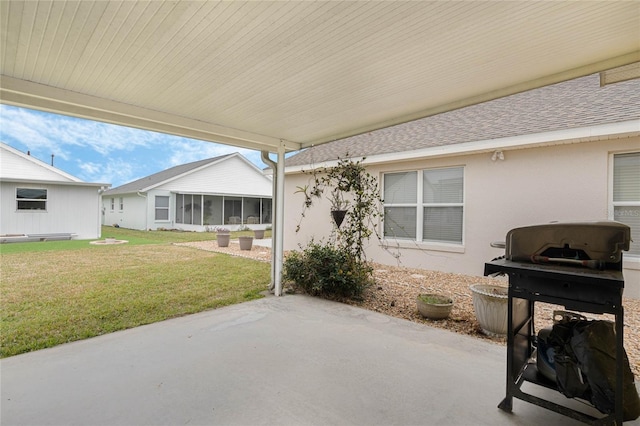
x: 61, y: 291
x: 134, y: 237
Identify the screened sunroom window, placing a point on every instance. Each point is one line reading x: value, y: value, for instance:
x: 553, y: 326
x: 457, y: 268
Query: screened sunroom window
x: 626, y: 195
x: 189, y: 209
x: 424, y: 205
x: 31, y: 199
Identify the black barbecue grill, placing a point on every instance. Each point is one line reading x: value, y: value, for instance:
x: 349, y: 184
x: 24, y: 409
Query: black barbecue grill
x: 576, y: 265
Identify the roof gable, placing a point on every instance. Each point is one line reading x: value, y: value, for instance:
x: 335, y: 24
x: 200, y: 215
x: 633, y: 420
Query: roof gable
x: 578, y: 103
x: 15, y: 164
x: 164, y: 177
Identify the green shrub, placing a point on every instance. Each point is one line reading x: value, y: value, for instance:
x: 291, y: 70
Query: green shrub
x: 327, y: 271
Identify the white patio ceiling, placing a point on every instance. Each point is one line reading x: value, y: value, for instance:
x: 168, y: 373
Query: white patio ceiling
x: 263, y: 74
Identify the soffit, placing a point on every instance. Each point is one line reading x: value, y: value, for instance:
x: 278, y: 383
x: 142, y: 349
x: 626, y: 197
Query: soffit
x: 258, y: 74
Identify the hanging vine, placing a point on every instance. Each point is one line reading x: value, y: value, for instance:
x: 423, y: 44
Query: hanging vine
x: 348, y: 186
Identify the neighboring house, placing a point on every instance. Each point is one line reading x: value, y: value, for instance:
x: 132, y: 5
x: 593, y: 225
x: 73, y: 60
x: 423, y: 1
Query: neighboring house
x: 40, y: 202
x: 226, y: 191
x: 455, y: 182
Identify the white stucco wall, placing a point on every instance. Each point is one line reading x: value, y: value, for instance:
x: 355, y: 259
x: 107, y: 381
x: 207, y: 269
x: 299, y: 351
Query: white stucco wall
x: 70, y: 209
x: 530, y: 186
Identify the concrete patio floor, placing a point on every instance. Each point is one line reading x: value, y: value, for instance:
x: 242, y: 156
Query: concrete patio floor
x: 292, y: 360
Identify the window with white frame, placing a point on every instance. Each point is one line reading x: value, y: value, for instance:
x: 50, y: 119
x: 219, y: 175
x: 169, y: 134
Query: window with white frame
x: 424, y: 205
x: 31, y: 199
x: 626, y: 195
x: 162, y: 207
x: 121, y: 203
x: 113, y: 204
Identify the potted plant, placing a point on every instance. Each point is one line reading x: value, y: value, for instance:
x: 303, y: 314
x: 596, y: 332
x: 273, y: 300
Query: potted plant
x: 223, y: 235
x: 338, y: 207
x: 490, y: 304
x: 245, y: 242
x: 434, y: 306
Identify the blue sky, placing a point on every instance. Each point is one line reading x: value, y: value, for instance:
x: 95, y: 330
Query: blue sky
x: 99, y: 152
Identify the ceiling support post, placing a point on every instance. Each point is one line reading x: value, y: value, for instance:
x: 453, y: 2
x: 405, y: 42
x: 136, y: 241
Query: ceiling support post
x: 277, y: 223
x: 274, y: 194
x: 279, y: 219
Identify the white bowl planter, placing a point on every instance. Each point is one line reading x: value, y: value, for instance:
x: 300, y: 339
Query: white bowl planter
x: 491, y: 305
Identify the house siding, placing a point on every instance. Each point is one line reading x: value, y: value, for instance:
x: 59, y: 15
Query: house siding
x: 530, y: 186
x: 228, y: 176
x: 232, y: 176
x: 70, y: 209
x: 132, y: 216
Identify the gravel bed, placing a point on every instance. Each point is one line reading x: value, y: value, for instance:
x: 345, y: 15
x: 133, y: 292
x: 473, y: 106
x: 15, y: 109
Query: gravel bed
x: 396, y: 289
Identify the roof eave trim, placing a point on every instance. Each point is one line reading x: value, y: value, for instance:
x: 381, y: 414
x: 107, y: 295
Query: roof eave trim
x: 618, y: 130
x: 54, y: 182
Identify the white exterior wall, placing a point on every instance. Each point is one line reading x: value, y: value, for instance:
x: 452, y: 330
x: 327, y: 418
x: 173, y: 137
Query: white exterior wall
x: 530, y: 186
x: 70, y: 209
x: 232, y: 176
x: 150, y: 213
x: 133, y: 214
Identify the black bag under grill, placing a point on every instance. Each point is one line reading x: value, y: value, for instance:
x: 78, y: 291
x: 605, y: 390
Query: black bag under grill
x: 585, y: 365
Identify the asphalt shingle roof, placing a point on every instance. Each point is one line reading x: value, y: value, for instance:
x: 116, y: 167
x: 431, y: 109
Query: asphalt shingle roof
x: 156, y: 178
x: 571, y: 104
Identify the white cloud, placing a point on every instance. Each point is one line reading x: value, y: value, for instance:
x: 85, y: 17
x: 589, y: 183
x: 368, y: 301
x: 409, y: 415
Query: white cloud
x: 187, y: 150
x: 100, y: 152
x: 51, y: 132
x: 115, y: 172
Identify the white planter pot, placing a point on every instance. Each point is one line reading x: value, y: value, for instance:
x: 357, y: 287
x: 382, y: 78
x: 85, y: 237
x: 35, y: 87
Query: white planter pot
x: 491, y: 305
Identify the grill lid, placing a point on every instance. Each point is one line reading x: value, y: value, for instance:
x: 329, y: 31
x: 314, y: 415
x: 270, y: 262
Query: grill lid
x: 590, y: 244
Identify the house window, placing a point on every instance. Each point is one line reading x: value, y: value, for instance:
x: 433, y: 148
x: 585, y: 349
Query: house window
x: 425, y: 205
x: 113, y: 204
x: 121, y: 203
x: 626, y: 195
x: 162, y: 207
x: 401, y: 205
x: 31, y: 199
